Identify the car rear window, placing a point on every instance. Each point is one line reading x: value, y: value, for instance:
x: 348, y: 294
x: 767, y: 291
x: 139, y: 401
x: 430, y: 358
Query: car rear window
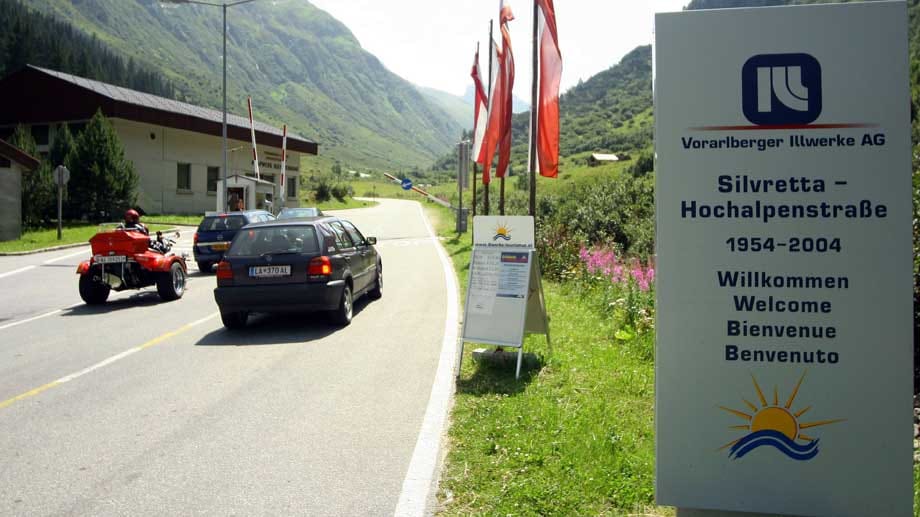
x: 297, y: 212
x: 274, y: 239
x: 222, y: 224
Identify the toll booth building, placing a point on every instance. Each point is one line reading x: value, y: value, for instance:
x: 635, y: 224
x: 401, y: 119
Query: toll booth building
x: 176, y: 147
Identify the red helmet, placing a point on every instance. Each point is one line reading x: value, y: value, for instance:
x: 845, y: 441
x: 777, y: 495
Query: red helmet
x: 131, y: 216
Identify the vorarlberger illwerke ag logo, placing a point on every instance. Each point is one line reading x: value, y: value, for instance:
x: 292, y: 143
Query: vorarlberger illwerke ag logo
x: 781, y: 89
x: 775, y: 425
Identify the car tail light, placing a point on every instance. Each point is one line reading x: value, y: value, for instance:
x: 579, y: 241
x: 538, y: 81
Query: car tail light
x: 320, y: 266
x: 195, y: 238
x: 224, y: 271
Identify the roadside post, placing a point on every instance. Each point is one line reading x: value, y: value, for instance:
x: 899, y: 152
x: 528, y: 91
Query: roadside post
x: 61, y: 177
x: 504, y: 296
x: 463, y: 171
x: 784, y: 303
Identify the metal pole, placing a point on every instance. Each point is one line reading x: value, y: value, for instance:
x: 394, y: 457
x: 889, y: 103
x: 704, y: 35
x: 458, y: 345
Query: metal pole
x: 485, y: 192
x: 501, y: 195
x: 226, y: 164
x: 60, y: 204
x: 534, y: 113
x: 459, y: 183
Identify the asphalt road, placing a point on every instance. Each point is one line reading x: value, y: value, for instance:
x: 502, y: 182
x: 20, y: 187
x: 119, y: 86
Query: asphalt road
x: 141, y: 407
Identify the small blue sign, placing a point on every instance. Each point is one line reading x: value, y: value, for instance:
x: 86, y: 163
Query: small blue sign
x: 407, y: 184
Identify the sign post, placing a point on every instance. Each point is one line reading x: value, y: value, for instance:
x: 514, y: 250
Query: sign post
x: 61, y: 177
x: 783, y: 355
x: 504, y: 297
x: 463, y: 170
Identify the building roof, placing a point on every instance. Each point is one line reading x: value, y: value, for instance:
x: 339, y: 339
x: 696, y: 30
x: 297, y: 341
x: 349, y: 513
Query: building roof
x: 13, y: 153
x: 605, y: 157
x: 38, y: 95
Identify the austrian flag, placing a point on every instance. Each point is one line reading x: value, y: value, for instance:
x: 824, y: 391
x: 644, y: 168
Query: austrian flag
x: 480, y: 111
x: 546, y: 104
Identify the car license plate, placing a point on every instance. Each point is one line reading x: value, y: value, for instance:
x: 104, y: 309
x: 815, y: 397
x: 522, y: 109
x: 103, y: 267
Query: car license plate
x: 114, y: 259
x: 269, y: 271
x: 221, y: 246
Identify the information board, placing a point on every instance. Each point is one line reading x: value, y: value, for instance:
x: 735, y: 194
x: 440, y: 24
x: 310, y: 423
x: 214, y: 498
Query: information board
x: 504, y: 299
x: 784, y: 306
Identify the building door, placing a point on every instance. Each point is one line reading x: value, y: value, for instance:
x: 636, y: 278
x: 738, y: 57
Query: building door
x: 236, y: 199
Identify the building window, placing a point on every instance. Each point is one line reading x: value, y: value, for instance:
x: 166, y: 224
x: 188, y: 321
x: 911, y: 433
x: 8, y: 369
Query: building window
x: 213, y: 176
x: 184, y: 176
x: 40, y: 134
x: 292, y: 187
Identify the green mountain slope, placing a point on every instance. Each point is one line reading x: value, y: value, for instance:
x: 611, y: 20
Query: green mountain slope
x: 608, y: 113
x: 301, y: 66
x: 459, y: 110
x: 42, y: 40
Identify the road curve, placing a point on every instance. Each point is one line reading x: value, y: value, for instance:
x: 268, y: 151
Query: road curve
x: 147, y: 408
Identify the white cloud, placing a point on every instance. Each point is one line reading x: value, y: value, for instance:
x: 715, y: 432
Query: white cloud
x: 431, y: 42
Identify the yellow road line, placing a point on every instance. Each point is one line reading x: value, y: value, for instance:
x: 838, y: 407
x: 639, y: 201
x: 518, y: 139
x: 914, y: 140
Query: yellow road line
x: 67, y: 378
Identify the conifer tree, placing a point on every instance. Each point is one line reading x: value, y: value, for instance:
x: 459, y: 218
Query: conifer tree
x: 103, y: 182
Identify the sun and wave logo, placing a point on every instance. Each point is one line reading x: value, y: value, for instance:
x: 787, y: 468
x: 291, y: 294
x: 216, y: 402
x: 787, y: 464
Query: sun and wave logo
x: 502, y: 231
x: 776, y: 426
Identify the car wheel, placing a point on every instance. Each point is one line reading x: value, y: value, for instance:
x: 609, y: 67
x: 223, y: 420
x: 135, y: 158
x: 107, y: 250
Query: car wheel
x: 93, y: 293
x: 204, y: 267
x: 234, y: 320
x: 343, y: 314
x: 377, y: 291
x: 171, y: 284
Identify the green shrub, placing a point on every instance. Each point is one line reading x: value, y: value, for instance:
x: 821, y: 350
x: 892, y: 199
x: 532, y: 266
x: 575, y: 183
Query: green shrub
x: 614, y: 210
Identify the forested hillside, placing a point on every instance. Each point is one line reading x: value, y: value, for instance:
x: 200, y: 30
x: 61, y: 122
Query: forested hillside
x: 301, y: 66
x: 38, y: 39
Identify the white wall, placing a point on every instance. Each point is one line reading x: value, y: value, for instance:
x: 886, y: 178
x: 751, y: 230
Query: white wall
x: 156, y: 151
x: 10, y: 202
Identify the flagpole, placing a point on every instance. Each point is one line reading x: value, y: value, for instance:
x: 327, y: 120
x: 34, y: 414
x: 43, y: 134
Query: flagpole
x: 534, y: 113
x: 485, y: 192
x: 475, y: 113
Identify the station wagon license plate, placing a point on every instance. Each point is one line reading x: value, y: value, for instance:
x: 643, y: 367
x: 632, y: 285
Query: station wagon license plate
x: 221, y: 246
x: 269, y: 271
x: 114, y: 259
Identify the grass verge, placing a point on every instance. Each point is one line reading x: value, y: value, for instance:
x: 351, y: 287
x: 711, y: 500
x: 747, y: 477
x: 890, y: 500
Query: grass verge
x: 32, y: 240
x: 173, y: 219
x: 573, y: 436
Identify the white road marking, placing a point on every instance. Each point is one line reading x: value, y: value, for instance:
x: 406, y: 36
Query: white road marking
x: 130, y: 351
x: 58, y: 259
x: 27, y: 320
x: 418, y: 482
x: 17, y: 271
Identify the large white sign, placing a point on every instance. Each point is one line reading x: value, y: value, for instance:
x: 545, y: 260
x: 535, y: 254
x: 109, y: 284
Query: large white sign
x: 784, y: 260
x: 504, y: 298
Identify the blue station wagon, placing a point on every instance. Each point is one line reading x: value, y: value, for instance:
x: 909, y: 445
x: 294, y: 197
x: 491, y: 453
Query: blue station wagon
x: 217, y: 231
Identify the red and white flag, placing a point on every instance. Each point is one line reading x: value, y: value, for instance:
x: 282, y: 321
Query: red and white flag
x: 480, y: 110
x: 506, y: 69
x: 255, y: 155
x: 493, y: 120
x: 498, y: 130
x: 546, y: 106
